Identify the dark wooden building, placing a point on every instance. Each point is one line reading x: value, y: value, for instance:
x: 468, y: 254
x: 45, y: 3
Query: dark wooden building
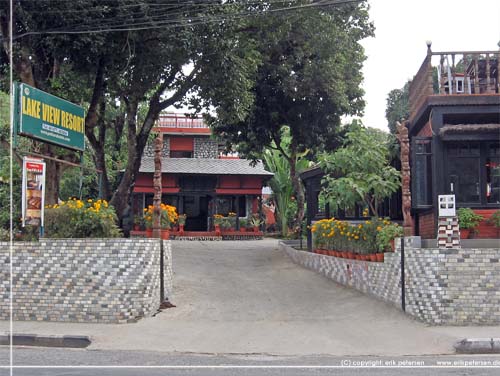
x: 454, y: 130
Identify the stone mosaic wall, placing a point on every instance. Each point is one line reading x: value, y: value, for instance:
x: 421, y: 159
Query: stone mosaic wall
x: 205, y: 148
x: 443, y: 286
x: 84, y: 280
x: 165, y: 152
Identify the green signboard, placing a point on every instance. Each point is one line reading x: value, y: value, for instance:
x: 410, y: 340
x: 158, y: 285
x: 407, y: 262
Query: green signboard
x: 48, y: 118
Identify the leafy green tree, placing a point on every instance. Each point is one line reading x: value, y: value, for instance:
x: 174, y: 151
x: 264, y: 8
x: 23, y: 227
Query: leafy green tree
x: 309, y: 78
x: 281, y: 183
x: 126, y: 77
x: 398, y: 107
x: 359, y: 172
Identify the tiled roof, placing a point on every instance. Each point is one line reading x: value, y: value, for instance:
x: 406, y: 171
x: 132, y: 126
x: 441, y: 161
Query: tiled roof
x: 205, y: 166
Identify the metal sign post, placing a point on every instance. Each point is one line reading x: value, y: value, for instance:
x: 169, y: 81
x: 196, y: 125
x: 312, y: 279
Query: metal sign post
x: 403, y: 294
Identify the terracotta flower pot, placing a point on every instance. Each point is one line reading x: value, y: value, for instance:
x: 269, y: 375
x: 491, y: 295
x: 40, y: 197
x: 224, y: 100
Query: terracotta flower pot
x: 372, y: 257
x: 149, y: 232
x: 464, y: 233
x: 255, y: 228
x: 379, y: 257
x: 217, y: 230
x: 393, y: 246
x: 181, y: 229
x: 243, y: 229
x: 165, y: 234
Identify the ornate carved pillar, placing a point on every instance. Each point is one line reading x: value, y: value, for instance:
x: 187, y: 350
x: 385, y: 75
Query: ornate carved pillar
x: 158, y: 145
x: 404, y: 142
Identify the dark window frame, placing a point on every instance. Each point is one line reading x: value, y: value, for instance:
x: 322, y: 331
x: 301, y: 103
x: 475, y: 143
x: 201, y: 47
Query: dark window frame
x: 482, y: 157
x: 426, y: 173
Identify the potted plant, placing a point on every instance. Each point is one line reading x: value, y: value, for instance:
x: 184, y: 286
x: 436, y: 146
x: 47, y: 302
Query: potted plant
x: 148, y: 221
x: 231, y: 217
x: 494, y: 220
x: 138, y: 223
x: 243, y: 224
x: 218, y: 219
x: 387, y: 234
x: 468, y: 221
x: 226, y: 224
x: 168, y: 217
x: 255, y: 222
x: 182, y: 222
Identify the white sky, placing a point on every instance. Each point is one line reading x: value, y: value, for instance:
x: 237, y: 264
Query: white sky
x: 403, y: 27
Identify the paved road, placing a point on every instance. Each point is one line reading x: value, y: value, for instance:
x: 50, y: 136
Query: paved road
x: 248, y: 298
x: 192, y: 364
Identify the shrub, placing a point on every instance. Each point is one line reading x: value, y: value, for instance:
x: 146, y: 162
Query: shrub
x: 386, y: 234
x: 339, y: 235
x: 495, y: 219
x: 168, y: 216
x: 182, y: 219
x: 81, y: 219
x: 218, y: 219
x: 4, y: 235
x: 243, y: 222
x: 467, y: 219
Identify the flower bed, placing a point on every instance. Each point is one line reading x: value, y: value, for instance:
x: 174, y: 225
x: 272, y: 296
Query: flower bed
x: 363, y: 241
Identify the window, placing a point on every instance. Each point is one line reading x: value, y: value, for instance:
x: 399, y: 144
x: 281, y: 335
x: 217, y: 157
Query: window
x: 493, y: 174
x: 226, y: 204
x: 473, y: 172
x: 422, y: 172
x: 464, y: 172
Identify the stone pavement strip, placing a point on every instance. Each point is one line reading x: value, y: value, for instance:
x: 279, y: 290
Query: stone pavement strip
x: 248, y: 298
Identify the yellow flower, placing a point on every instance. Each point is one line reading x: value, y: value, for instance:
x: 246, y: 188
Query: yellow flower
x: 379, y: 228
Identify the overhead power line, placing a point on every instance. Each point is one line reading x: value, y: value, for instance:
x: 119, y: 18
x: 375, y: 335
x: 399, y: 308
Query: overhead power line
x: 155, y: 21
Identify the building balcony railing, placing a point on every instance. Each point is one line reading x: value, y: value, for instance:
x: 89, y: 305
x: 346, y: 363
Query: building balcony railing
x: 457, y: 73
x: 180, y: 121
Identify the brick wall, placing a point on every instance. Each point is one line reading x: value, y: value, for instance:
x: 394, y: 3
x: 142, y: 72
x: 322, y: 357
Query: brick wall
x: 443, y: 286
x: 486, y: 230
x: 84, y: 280
x: 427, y: 226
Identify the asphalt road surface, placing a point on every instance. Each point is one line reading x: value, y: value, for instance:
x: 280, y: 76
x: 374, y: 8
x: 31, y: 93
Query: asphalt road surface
x: 45, y: 362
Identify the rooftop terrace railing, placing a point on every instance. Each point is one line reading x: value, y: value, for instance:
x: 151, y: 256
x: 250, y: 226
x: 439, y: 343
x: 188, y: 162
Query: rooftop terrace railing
x: 180, y: 121
x: 457, y: 73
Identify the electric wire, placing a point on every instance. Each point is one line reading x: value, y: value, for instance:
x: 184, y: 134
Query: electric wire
x: 152, y: 23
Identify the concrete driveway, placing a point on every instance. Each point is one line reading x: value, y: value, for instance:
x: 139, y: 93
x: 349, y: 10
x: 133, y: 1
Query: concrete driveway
x: 248, y: 298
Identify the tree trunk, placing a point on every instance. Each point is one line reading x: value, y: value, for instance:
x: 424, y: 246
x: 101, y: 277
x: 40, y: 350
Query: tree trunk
x: 136, y: 142
x: 53, y: 174
x: 298, y: 191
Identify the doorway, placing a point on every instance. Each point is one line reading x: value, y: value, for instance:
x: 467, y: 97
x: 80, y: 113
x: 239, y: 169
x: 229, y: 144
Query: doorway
x: 196, y: 210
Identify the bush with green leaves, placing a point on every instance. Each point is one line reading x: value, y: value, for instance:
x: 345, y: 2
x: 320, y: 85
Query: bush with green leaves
x: 81, y: 219
x: 387, y: 234
x: 467, y: 219
x: 360, y: 171
x: 495, y: 219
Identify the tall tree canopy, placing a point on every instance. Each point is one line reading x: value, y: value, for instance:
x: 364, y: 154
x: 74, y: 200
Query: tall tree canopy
x: 397, y: 107
x: 126, y: 62
x: 309, y: 78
